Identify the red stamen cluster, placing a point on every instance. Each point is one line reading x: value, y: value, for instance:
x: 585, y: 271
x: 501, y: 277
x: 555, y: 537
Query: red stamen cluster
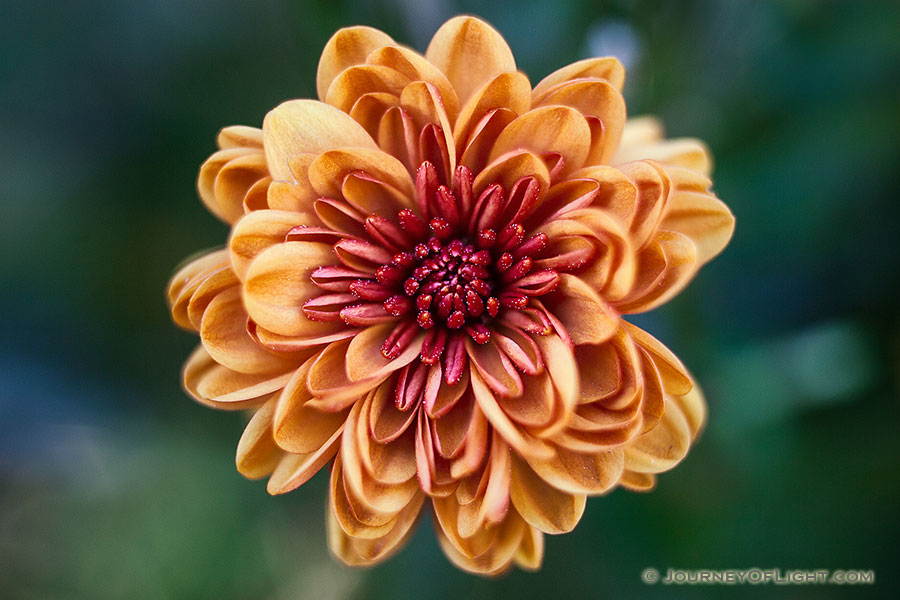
x: 450, y: 268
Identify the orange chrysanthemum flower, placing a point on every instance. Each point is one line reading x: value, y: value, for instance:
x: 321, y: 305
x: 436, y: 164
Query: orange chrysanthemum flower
x: 425, y: 284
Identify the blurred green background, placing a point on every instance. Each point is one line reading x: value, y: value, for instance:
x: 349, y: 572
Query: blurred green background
x: 113, y: 484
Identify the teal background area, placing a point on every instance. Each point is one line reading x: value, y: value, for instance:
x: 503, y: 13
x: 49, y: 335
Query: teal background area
x: 113, y: 484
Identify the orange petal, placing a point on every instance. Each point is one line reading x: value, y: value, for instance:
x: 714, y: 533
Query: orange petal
x: 328, y: 172
x: 220, y: 387
x: 549, y: 129
x: 673, y: 372
x: 700, y: 216
x: 354, y: 82
x: 258, y: 231
x: 296, y: 469
x: 525, y: 444
x: 347, y: 47
x: 496, y: 369
x: 278, y: 284
x: 509, y: 168
x: 417, y: 68
x: 469, y: 52
x: 577, y: 473
x: 299, y: 427
x: 542, y: 505
x: 355, y: 518
x: 307, y: 126
x: 257, y: 453
x: 662, y: 447
x: 509, y: 91
x: 364, y: 357
x: 664, y: 268
x: 586, y: 316
x: 209, y: 172
x: 328, y: 379
x: 607, y: 68
x: 593, y: 98
x: 364, y: 552
x: 188, y: 279
x: 240, y: 136
x: 223, y: 332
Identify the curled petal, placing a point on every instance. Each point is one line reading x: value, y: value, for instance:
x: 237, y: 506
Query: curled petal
x: 226, y: 178
x: 642, y: 138
x: 211, y: 384
x: 296, y: 469
x: 347, y: 47
x: 694, y: 211
x: 607, y: 68
x: 257, y: 452
x: 542, y: 505
x: 327, y: 173
x: 365, y: 359
x: 550, y: 129
x: 329, y: 382
x: 662, y: 447
x: 224, y: 334
x: 307, y: 127
x: 364, y: 552
x: 509, y: 91
x: 188, y: 279
x: 577, y: 473
x: 664, y: 267
x: 674, y: 374
x: 258, y: 231
x: 469, y: 52
x: 299, y: 426
x: 355, y: 82
x: 417, y: 68
x: 593, y: 98
x: 585, y: 315
x: 278, y: 284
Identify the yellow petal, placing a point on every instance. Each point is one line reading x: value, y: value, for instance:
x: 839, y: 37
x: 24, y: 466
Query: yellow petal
x: 542, y: 505
x: 307, y: 126
x: 469, y: 52
x: 347, y: 47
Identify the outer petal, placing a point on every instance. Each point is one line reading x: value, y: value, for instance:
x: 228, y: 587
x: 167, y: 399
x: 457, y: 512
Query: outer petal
x: 257, y: 453
x: 542, y: 505
x: 643, y: 138
x: 220, y: 387
x: 188, y: 279
x: 469, y: 52
x: 607, y: 68
x: 307, y: 126
x: 347, y: 47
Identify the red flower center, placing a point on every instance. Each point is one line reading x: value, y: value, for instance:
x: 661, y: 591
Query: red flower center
x: 451, y: 268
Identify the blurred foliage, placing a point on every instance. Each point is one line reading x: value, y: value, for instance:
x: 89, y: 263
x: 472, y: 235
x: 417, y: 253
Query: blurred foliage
x: 114, y: 485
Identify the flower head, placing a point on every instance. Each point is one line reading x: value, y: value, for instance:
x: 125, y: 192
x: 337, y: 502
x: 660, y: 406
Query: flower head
x: 425, y: 288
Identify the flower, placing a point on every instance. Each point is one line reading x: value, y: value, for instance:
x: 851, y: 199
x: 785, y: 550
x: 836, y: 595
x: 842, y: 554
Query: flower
x: 425, y: 287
